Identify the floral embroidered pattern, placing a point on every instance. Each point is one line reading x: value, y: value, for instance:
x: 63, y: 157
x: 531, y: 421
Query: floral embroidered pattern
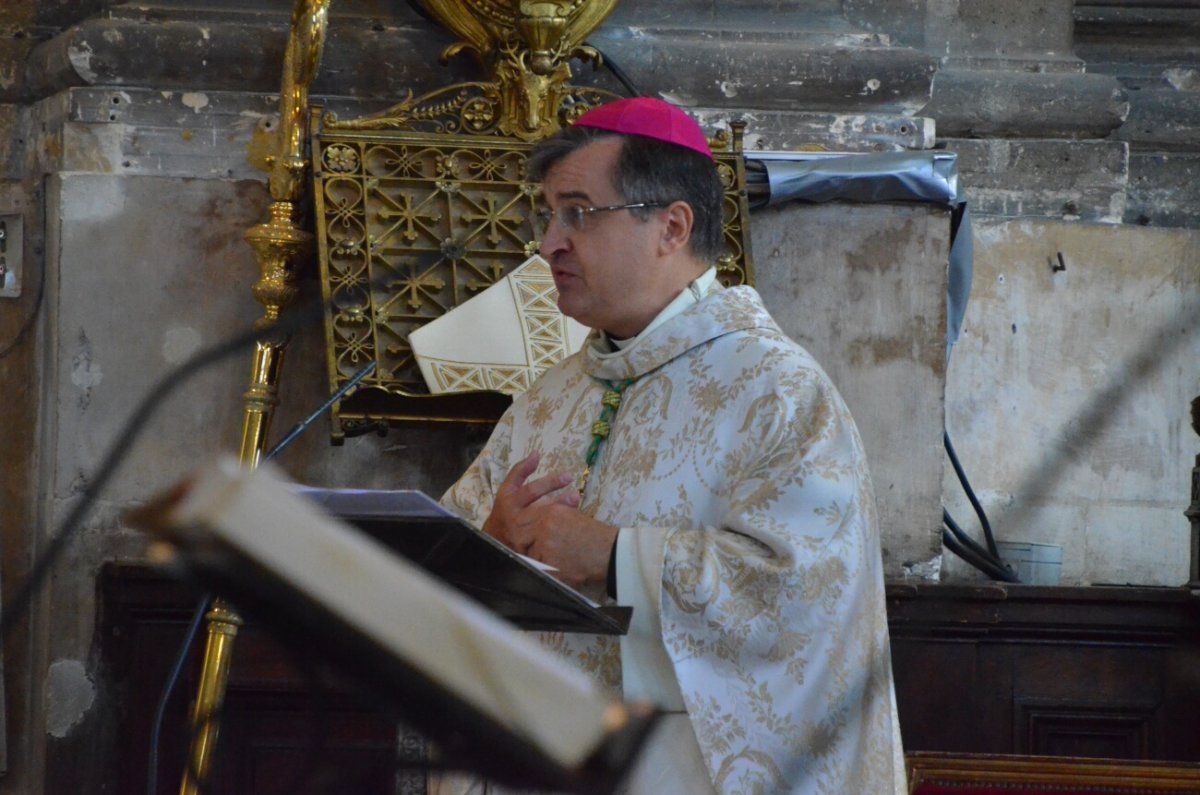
x: 735, y: 450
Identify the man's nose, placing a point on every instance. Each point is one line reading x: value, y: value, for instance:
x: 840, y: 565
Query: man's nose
x: 554, y: 240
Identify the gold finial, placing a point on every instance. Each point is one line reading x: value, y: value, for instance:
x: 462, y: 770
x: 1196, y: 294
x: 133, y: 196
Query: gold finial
x: 525, y: 46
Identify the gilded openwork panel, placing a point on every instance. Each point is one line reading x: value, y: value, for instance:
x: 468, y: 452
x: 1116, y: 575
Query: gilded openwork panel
x: 410, y: 225
x: 408, y: 230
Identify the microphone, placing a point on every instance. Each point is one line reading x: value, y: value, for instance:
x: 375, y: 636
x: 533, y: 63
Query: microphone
x: 300, y: 427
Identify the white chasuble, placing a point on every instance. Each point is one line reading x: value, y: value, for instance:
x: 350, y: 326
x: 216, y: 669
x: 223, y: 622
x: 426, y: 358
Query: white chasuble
x: 740, y: 483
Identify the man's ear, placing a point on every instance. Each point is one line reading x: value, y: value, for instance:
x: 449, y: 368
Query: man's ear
x: 678, y: 228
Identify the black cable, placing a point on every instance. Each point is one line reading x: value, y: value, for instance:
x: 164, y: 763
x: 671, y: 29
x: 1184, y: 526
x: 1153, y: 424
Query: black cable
x: 976, y: 555
x: 986, y: 566
x: 957, y: 544
x: 617, y: 72
x: 986, y: 560
x: 67, y: 528
x: 970, y: 551
x: 301, y: 426
x: 169, y: 689
x: 962, y: 478
x: 965, y: 539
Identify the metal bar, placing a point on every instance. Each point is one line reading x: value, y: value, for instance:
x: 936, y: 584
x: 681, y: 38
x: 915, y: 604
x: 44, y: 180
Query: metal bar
x: 279, y: 244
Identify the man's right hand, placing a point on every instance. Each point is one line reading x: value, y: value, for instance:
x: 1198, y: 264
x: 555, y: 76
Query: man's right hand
x: 541, y: 518
x: 516, y: 514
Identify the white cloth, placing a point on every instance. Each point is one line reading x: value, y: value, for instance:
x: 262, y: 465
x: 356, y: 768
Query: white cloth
x: 737, y: 475
x: 604, y: 345
x: 502, y: 339
x: 670, y: 764
x: 646, y: 670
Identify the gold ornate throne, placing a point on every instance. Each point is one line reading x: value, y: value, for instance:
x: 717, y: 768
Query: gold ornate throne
x: 415, y: 210
x: 420, y: 207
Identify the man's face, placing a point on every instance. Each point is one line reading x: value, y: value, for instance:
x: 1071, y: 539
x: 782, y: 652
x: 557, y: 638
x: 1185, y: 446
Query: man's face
x: 605, y: 271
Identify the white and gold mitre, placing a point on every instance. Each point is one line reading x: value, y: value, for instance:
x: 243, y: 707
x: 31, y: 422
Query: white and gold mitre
x: 502, y: 339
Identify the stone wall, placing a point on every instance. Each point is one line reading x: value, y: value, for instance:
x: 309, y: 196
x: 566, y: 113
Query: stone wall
x: 126, y: 135
x: 1068, y: 395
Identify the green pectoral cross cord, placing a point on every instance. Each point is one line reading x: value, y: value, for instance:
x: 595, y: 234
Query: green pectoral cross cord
x: 610, y: 401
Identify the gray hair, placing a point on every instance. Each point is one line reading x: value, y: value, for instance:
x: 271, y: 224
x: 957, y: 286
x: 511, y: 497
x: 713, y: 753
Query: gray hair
x: 649, y: 170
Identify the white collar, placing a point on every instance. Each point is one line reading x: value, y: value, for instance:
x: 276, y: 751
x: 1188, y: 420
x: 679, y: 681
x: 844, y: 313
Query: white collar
x: 688, y: 297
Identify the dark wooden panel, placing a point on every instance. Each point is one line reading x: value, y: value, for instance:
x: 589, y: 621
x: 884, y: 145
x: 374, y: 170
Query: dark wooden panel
x: 1103, y: 732
x: 1092, y: 672
x: 1104, y: 672
x: 281, y: 730
x: 305, y: 742
x: 935, y: 773
x: 929, y: 708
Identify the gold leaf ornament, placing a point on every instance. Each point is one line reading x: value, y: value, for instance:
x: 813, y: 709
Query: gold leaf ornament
x: 525, y: 46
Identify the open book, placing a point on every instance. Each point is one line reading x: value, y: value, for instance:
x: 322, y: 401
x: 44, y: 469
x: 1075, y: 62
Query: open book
x: 491, y: 698
x: 517, y: 588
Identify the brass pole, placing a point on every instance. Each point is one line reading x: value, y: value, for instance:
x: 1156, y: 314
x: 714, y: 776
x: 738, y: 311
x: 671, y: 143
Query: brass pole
x: 280, y: 246
x: 223, y: 625
x: 223, y: 622
x: 1193, y: 510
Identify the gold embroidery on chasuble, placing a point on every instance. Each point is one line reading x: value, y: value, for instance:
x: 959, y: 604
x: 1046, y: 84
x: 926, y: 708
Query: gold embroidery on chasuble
x: 733, y: 457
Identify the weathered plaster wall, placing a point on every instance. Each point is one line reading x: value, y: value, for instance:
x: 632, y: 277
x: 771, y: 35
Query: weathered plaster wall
x: 1068, y: 395
x: 146, y: 271
x: 20, y: 456
x: 863, y: 288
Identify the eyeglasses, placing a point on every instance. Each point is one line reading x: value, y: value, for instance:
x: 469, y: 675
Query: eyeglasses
x: 572, y: 217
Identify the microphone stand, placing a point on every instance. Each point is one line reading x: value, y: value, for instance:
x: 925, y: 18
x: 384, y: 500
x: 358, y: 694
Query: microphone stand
x: 202, y: 608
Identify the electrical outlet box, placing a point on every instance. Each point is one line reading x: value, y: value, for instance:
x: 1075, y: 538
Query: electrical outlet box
x: 12, y: 249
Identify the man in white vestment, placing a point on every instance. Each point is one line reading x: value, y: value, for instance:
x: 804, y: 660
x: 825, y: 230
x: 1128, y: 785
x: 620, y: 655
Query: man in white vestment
x: 695, y: 463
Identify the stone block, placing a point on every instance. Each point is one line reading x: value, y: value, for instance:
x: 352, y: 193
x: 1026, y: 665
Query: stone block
x: 982, y: 27
x: 813, y: 15
x: 996, y: 103
x: 136, y: 131
x: 13, y: 52
x: 797, y: 131
x: 863, y: 288
x: 1164, y: 189
x: 779, y: 70
x: 14, y: 134
x: 1164, y: 117
x: 1136, y: 41
x: 1074, y: 180
x: 359, y: 59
